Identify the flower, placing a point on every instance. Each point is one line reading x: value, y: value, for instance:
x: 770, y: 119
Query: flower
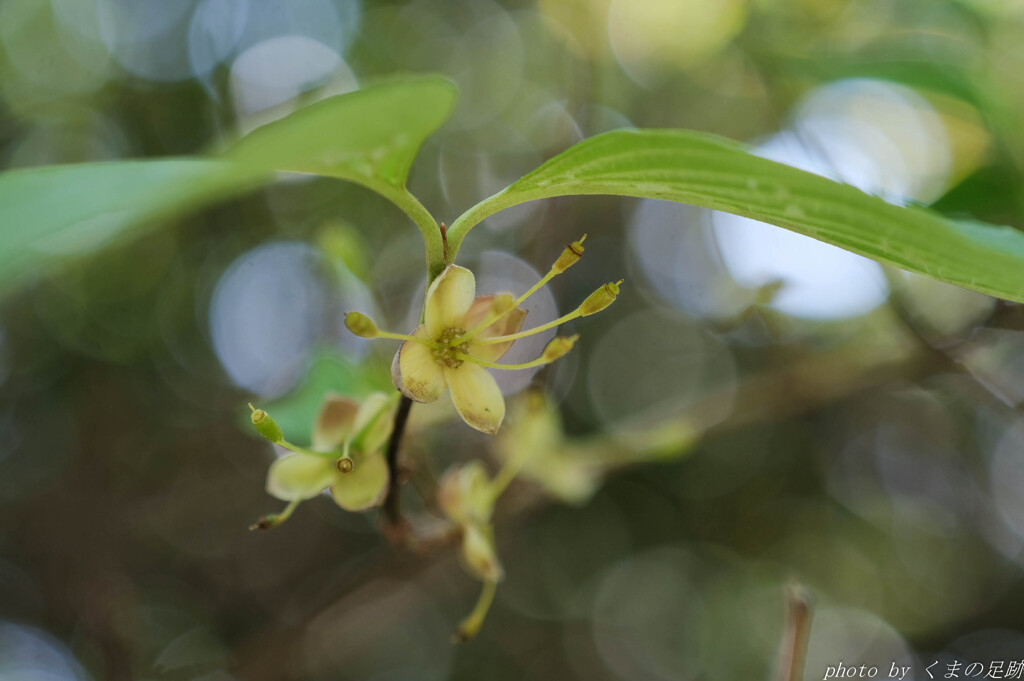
x: 346, y: 455
x: 463, y: 335
x: 423, y: 371
x: 535, y: 443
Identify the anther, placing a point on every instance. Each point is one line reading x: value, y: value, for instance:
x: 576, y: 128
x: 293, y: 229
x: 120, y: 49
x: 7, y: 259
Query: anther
x: 600, y: 299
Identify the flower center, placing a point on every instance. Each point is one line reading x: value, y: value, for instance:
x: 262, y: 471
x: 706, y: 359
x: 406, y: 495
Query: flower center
x: 445, y: 353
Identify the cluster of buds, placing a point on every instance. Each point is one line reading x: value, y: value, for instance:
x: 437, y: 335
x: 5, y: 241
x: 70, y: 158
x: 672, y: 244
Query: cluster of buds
x: 346, y: 456
x: 463, y: 335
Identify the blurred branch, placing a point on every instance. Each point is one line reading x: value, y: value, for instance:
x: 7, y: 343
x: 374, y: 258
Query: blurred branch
x: 793, y: 653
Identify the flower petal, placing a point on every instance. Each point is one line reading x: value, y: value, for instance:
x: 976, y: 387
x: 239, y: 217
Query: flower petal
x: 476, y: 396
x: 333, y: 422
x: 448, y: 300
x: 364, y: 486
x: 375, y: 416
x: 415, y: 371
x: 510, y: 323
x: 299, y: 476
x: 479, y: 554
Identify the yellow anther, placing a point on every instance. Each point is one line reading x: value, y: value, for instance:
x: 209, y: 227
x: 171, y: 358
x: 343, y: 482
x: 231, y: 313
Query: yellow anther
x: 600, y: 299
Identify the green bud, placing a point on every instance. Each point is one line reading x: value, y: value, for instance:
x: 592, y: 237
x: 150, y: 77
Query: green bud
x: 558, y: 347
x: 266, y: 425
x: 600, y: 299
x: 360, y: 325
x: 570, y: 256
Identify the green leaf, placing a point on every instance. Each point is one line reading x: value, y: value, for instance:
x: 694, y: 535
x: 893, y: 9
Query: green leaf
x: 715, y: 173
x: 61, y: 210
x: 370, y: 137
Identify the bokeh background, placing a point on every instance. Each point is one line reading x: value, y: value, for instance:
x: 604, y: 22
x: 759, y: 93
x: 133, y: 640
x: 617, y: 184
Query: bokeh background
x: 781, y: 410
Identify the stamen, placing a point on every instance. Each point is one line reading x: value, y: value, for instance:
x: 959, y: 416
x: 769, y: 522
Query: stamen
x: 529, y: 332
x: 364, y: 327
x: 572, y: 253
x: 495, y: 317
x: 401, y: 336
x: 540, y: 361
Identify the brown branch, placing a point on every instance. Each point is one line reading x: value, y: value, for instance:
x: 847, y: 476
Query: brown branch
x: 392, y: 504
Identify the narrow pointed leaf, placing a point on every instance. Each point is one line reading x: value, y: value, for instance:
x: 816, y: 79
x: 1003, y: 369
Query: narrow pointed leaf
x: 712, y: 172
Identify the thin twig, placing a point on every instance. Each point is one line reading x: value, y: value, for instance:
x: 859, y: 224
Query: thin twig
x: 799, y: 611
x: 392, y: 506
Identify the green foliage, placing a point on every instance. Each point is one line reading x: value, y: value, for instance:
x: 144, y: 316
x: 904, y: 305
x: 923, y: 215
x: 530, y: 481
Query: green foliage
x: 372, y: 136
x: 708, y: 171
x: 62, y: 210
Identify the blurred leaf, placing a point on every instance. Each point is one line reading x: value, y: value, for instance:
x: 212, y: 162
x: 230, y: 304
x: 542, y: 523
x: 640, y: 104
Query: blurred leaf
x: 715, y: 173
x: 946, y: 77
x: 63, y: 210
x: 328, y: 372
x: 370, y: 136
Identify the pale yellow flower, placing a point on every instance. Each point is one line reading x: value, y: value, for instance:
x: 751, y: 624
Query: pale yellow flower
x: 346, y: 456
x: 424, y: 371
x: 463, y: 335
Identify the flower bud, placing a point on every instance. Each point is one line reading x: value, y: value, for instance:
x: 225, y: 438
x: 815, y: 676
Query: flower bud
x: 266, y: 425
x: 360, y: 325
x: 600, y: 299
x: 345, y: 465
x: 464, y: 493
x: 558, y: 347
x: 570, y: 256
x: 479, y: 555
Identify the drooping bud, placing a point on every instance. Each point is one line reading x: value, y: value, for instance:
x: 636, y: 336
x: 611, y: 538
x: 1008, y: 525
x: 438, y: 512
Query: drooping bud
x: 600, y: 299
x: 345, y: 465
x: 479, y: 555
x: 266, y: 425
x: 360, y: 325
x: 558, y: 347
x: 570, y: 256
x: 464, y: 493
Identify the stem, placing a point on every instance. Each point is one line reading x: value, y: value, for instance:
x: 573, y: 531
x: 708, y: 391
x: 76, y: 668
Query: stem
x: 509, y: 470
x: 392, y: 507
x: 469, y: 627
x: 432, y: 237
x: 799, y: 612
